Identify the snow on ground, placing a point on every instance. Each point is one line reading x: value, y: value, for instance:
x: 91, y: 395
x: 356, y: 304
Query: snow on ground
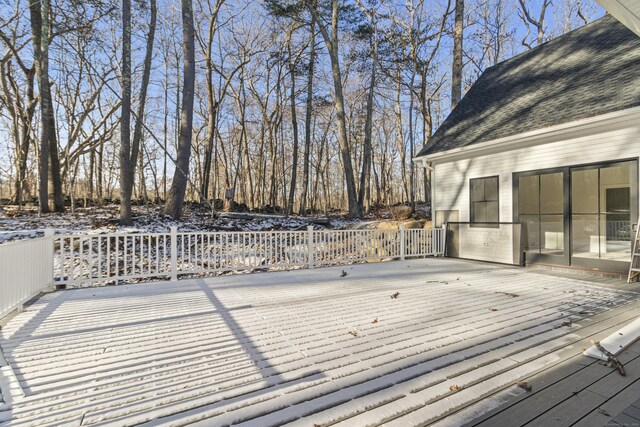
x: 399, y: 343
x: 27, y: 223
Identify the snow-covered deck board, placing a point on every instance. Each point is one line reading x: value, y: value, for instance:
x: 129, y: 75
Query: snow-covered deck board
x: 269, y: 348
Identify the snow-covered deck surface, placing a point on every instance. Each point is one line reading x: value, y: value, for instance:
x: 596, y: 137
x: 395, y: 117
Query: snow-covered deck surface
x: 304, y: 347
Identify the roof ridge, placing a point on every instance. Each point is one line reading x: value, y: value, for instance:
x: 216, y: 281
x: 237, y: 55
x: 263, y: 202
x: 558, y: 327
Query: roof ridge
x: 550, y: 42
x: 592, y: 70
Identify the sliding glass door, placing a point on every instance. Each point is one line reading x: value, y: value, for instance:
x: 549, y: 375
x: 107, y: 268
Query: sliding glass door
x: 581, y: 215
x: 603, y: 213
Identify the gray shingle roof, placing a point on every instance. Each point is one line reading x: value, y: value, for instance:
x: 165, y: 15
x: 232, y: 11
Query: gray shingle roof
x: 588, y: 72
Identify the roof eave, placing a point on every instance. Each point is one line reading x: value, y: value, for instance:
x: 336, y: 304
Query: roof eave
x: 537, y: 137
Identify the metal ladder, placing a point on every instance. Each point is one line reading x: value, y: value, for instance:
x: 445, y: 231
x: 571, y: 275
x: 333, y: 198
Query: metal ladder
x: 634, y: 267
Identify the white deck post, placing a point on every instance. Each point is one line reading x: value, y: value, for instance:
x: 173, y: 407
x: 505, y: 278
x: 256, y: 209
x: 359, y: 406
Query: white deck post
x: 310, y: 246
x: 49, y: 233
x: 174, y: 253
x: 443, y: 239
x: 402, y: 242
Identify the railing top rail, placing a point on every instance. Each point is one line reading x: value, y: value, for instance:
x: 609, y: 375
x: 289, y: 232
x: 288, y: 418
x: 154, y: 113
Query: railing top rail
x: 79, y: 234
x: 111, y: 234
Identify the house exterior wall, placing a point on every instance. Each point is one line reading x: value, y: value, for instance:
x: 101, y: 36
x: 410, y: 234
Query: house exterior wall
x: 451, y: 178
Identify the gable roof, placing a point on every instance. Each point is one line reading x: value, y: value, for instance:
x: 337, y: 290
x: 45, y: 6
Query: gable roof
x: 585, y: 73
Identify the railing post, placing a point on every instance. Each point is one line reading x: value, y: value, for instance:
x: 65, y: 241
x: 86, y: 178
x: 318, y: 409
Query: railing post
x: 443, y: 239
x: 174, y: 253
x: 310, y: 246
x: 402, y: 243
x: 49, y: 233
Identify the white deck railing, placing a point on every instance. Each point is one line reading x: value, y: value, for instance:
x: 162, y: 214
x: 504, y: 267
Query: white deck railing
x: 29, y: 267
x: 26, y: 269
x: 82, y: 258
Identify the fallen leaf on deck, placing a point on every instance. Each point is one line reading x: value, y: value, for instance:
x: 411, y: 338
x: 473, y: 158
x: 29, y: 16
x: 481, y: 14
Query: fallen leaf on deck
x: 395, y: 295
x: 493, y: 309
x: 375, y: 320
x: 524, y: 385
x: 567, y: 323
x: 353, y: 333
x: 455, y: 387
x: 509, y: 294
x: 344, y: 273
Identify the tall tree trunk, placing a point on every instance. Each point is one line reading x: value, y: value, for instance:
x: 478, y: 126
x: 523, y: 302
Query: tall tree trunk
x: 35, y: 10
x: 366, y: 155
x: 212, y: 105
x: 46, y: 110
x: 412, y: 187
x: 136, y: 152
x: 307, y: 121
x: 331, y: 40
x: 92, y: 168
x: 126, y: 168
x: 130, y: 153
x: 175, y: 199
x: 165, y: 128
x: 294, y: 125
x: 100, y: 173
x: 399, y: 137
x: 456, y: 72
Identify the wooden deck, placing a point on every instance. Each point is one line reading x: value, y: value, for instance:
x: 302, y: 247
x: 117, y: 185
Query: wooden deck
x: 579, y: 391
x: 310, y: 347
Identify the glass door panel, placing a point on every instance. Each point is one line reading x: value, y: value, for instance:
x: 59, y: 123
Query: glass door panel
x: 552, y: 233
x: 532, y: 226
x: 602, y: 212
x: 541, y: 209
x: 551, y: 193
x: 615, y: 212
x: 552, y: 213
x: 585, y: 241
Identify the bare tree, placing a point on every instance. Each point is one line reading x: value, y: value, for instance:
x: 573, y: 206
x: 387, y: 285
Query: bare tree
x: 527, y: 17
x: 456, y: 72
x: 365, y: 173
x: 126, y: 173
x: 329, y: 33
x: 308, y: 117
x: 19, y: 101
x: 40, y: 11
x: 175, y: 198
x: 130, y: 150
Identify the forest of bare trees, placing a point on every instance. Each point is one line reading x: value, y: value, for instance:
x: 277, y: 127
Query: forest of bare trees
x: 287, y: 106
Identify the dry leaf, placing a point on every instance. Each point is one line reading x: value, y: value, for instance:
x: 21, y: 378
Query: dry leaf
x: 375, y: 320
x: 344, y: 273
x: 524, y: 385
x: 395, y: 295
x: 353, y: 333
x: 567, y: 323
x: 455, y: 387
x: 509, y: 294
x: 493, y: 309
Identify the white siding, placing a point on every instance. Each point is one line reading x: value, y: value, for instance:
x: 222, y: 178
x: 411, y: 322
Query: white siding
x: 452, y: 178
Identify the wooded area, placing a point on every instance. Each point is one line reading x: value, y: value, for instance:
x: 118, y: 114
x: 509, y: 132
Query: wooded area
x: 280, y: 106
